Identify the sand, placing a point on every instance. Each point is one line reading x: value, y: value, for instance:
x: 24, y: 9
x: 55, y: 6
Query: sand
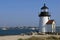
x: 16, y: 37
x: 13, y: 37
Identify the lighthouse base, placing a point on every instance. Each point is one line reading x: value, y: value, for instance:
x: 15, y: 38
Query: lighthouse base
x: 44, y: 33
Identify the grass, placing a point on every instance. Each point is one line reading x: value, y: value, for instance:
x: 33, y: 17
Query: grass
x: 20, y: 39
x: 40, y: 38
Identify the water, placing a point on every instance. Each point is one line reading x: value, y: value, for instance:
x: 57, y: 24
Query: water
x: 19, y: 31
x: 16, y: 31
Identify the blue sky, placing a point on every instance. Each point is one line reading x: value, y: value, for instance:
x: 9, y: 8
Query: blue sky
x: 25, y: 12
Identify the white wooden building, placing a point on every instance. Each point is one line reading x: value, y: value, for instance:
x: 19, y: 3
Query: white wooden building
x: 45, y: 23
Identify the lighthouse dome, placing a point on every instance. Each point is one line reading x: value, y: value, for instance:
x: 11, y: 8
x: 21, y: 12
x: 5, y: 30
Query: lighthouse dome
x: 44, y: 11
x: 44, y: 7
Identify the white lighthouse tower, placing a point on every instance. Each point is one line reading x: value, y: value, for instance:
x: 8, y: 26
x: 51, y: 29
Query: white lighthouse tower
x: 43, y: 18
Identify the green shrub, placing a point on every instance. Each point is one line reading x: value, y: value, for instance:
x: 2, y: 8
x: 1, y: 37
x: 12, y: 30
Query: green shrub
x: 52, y: 38
x: 42, y: 38
x: 20, y: 39
x: 59, y: 38
x: 35, y: 38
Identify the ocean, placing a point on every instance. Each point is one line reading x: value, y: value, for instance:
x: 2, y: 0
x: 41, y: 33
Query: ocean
x: 20, y: 31
x: 16, y: 31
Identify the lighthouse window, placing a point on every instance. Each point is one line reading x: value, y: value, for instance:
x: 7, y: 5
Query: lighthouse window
x: 44, y: 10
x: 48, y: 17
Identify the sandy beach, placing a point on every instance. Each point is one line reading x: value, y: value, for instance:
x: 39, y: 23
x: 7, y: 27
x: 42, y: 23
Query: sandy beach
x: 13, y: 37
x: 16, y: 37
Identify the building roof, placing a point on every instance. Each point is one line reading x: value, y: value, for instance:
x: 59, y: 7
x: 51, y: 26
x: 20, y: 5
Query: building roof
x: 50, y: 22
x: 44, y: 7
x: 44, y: 13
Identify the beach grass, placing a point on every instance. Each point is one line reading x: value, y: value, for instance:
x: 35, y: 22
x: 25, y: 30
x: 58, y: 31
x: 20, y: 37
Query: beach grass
x: 42, y: 38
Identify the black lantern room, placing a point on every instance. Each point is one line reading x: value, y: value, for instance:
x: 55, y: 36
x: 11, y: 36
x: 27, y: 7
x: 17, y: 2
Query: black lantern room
x: 44, y: 11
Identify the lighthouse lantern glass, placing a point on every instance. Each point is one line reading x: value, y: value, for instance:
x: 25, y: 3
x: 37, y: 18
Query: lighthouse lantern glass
x: 44, y: 10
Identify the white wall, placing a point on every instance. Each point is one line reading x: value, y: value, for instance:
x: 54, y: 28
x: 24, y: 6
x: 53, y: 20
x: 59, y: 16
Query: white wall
x: 49, y: 28
x: 42, y: 23
x: 53, y: 27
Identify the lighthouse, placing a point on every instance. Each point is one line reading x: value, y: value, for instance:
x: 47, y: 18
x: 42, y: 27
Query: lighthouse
x: 45, y: 24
